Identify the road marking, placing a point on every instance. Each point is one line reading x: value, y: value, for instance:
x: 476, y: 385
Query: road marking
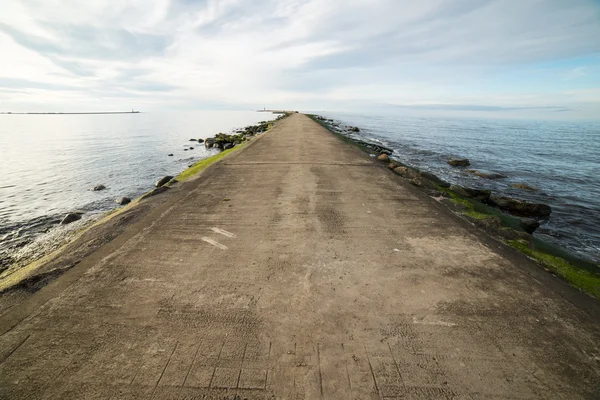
x: 215, y: 243
x: 223, y: 232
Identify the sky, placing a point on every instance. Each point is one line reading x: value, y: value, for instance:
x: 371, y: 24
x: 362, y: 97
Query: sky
x: 514, y: 58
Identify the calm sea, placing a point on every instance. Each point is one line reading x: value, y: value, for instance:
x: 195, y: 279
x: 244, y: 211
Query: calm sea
x: 561, y: 159
x: 49, y: 162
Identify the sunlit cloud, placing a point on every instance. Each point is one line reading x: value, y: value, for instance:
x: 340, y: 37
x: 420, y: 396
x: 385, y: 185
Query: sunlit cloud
x: 172, y: 54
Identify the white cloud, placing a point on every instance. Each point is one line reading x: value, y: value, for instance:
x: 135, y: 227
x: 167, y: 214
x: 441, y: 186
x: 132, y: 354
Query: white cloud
x: 236, y: 53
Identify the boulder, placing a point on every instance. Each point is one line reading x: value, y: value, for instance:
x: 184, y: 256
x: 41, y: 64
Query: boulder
x: 383, y: 157
x: 477, y: 194
x: 353, y: 129
x: 98, y: 187
x: 200, y: 140
x: 123, y: 200
x: 405, y: 172
x: 70, y: 217
x: 163, y: 181
x: 185, y: 149
x: 193, y: 140
x: 228, y: 146
x: 208, y: 143
x: 491, y: 223
x: 529, y: 225
x: 486, y: 174
x: 423, y: 183
x: 191, y: 148
x: 434, y: 179
x: 170, y: 155
x: 459, y: 162
x: 520, y: 208
x: 393, y: 165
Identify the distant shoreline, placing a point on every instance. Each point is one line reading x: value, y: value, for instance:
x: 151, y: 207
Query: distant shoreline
x: 69, y: 113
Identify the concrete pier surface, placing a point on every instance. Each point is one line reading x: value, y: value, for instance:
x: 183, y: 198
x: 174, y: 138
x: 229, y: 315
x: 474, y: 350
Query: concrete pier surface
x: 299, y: 268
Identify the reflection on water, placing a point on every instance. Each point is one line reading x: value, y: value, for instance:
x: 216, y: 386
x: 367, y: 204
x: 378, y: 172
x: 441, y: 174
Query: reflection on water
x: 560, y: 158
x: 49, y: 162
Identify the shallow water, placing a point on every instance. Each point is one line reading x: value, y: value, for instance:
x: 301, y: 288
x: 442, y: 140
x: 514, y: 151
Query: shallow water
x: 560, y: 158
x: 49, y: 162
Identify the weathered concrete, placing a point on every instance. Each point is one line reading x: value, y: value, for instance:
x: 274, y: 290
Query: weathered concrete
x: 301, y: 269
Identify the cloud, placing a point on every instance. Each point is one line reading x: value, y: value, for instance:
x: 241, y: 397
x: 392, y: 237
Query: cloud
x: 249, y: 53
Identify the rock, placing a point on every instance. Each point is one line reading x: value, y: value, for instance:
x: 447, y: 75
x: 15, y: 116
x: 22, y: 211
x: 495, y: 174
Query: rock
x: 208, y: 143
x: 383, y: 157
x: 459, y: 162
x: 185, y: 149
x: 423, y: 183
x: 477, y: 194
x: 200, y: 140
x: 524, y: 186
x: 170, y: 155
x: 123, y: 200
x: 193, y: 140
x: 435, y: 179
x: 98, y: 187
x: 491, y: 223
x: 163, y: 181
x: 228, y: 146
x: 520, y: 208
x: 529, y: 225
x: 486, y: 174
x: 393, y: 165
x: 405, y: 172
x: 191, y: 148
x: 353, y: 129
x: 70, y: 217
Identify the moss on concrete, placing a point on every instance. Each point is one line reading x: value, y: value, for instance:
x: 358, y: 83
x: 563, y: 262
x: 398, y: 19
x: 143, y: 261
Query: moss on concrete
x: 580, y: 278
x: 203, y: 164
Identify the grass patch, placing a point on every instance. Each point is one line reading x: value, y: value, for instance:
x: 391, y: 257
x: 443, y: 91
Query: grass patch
x: 582, y: 279
x: 203, y: 164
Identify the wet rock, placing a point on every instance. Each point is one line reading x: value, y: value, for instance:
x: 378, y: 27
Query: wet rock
x: 191, y: 148
x: 492, y: 223
x: 393, y: 165
x: 524, y: 186
x: 383, y: 157
x: 193, y: 140
x: 477, y: 194
x: 423, y: 183
x: 405, y: 172
x: 520, y: 208
x: 529, y: 225
x: 208, y: 143
x: 459, y: 162
x: 170, y: 155
x: 200, y: 140
x: 98, y: 188
x: 163, y: 181
x: 123, y: 200
x: 185, y: 149
x: 431, y: 177
x: 70, y: 217
x: 228, y: 146
x: 486, y: 174
x: 353, y: 129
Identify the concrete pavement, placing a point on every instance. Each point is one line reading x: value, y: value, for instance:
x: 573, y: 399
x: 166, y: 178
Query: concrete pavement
x: 299, y: 268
